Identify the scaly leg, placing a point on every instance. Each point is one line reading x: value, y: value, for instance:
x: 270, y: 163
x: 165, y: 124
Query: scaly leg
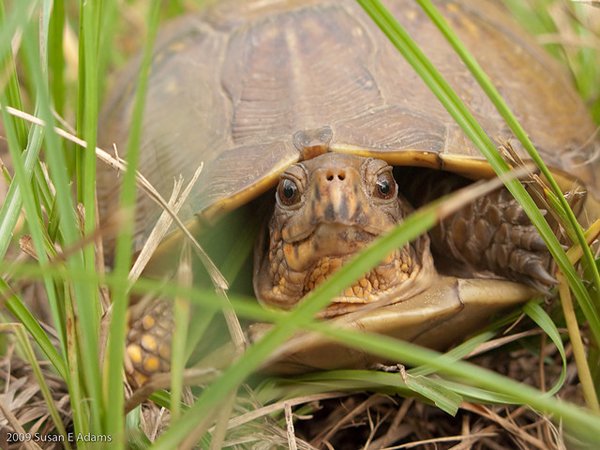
x: 493, y: 233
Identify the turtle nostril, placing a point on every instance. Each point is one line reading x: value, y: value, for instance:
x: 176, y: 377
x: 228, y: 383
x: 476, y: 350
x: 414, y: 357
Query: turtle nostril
x: 340, y: 175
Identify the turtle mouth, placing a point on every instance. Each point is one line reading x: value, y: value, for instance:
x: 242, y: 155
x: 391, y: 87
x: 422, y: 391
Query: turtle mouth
x: 334, y: 239
x: 328, y: 231
x: 327, y: 241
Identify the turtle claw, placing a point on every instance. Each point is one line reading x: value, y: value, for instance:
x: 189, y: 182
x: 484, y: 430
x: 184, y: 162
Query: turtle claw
x: 521, y: 255
x: 537, y: 243
x: 535, y: 269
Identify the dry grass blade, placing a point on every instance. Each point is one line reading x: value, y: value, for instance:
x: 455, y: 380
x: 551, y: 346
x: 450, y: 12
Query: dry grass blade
x: 23, y: 395
x: 592, y: 234
x: 14, y: 423
x: 278, y: 406
x: 466, y: 195
x: 22, y: 403
x: 583, y: 370
x: 289, y: 422
x: 238, y: 336
x: 395, y: 431
x: 162, y: 225
x: 465, y: 440
x: 348, y: 418
x: 516, y: 431
x: 502, y: 341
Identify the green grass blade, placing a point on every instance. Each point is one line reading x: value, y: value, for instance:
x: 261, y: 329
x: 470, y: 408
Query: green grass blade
x: 34, y: 218
x: 109, y: 21
x: 69, y: 231
x: 18, y: 309
x: 11, y: 90
x: 56, y: 63
x: 445, y: 399
x: 181, y: 319
x: 539, y: 316
x: 117, y: 333
x: 458, y: 352
x: 429, y: 389
x: 85, y: 177
x: 11, y: 207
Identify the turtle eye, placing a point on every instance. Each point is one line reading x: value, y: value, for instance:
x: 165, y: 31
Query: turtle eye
x: 288, y: 192
x: 385, y: 186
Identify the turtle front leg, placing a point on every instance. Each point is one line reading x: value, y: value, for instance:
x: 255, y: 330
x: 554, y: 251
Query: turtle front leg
x: 493, y: 233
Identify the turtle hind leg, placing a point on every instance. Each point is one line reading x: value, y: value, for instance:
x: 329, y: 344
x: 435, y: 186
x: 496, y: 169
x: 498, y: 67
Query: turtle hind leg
x: 491, y: 234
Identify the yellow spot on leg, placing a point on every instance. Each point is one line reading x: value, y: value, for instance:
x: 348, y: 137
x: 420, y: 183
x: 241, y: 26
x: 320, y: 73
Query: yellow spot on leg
x: 148, y: 322
x: 135, y: 353
x: 149, y: 343
x: 151, y: 364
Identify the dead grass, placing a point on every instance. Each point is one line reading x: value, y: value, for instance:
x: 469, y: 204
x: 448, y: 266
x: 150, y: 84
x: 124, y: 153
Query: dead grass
x: 22, y: 405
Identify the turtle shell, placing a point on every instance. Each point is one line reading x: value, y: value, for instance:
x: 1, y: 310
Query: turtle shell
x: 232, y: 86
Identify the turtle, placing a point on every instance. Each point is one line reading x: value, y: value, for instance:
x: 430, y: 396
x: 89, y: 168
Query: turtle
x: 308, y: 109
